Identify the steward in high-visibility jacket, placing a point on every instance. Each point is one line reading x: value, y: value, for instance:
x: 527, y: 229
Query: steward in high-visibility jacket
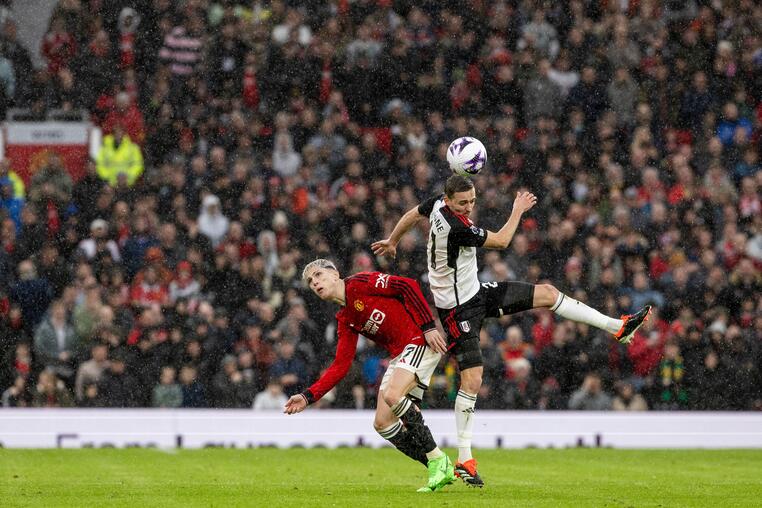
x: 119, y: 155
x: 19, y: 189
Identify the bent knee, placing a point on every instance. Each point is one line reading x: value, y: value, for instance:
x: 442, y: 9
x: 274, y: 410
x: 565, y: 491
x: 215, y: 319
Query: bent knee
x: 545, y: 295
x: 391, y: 398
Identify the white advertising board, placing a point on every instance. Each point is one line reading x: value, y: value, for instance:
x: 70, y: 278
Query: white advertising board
x: 76, y: 428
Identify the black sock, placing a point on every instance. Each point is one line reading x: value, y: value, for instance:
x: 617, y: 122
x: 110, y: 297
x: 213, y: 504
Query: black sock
x: 420, y: 433
x: 404, y: 441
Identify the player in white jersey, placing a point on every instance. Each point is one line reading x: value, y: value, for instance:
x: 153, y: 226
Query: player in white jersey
x: 463, y: 303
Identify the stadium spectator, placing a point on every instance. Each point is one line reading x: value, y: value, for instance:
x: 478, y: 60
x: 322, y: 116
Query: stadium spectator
x: 90, y: 371
x: 18, y: 55
x: 184, y: 284
x: 17, y: 183
x: 183, y: 46
x: 31, y: 293
x: 212, y: 223
x: 120, y: 162
x: 7, y: 84
x: 523, y: 391
x: 271, y: 398
x: 168, y: 392
x: 117, y: 387
x: 50, y: 189
x: 627, y: 400
x: 58, y: 46
x: 56, y: 343
x: 193, y: 391
x: 9, y: 203
x: 17, y: 395
x: 288, y: 369
x: 99, y: 243
x: 93, y: 65
x: 590, y: 396
x: 231, y: 388
x: 126, y: 115
x: 51, y: 391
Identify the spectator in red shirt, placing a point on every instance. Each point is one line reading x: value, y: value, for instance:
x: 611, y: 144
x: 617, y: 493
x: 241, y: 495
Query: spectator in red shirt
x: 647, y: 345
x: 126, y: 114
x: 58, y: 46
x: 150, y: 290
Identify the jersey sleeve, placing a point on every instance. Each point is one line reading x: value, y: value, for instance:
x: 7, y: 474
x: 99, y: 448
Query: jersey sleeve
x: 426, y: 207
x: 468, y: 236
x: 401, y: 288
x: 345, y: 353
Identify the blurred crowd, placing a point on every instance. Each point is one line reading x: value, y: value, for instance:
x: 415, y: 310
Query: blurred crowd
x: 244, y: 139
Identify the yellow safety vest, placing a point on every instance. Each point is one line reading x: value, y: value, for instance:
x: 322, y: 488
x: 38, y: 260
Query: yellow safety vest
x: 113, y: 160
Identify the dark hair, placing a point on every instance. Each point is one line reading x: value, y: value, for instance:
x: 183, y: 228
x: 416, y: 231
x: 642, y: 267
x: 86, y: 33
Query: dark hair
x: 457, y: 183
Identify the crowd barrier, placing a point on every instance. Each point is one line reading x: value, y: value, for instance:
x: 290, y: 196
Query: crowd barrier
x: 78, y: 428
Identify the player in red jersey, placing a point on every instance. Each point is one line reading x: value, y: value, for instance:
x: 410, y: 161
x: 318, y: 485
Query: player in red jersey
x: 391, y: 311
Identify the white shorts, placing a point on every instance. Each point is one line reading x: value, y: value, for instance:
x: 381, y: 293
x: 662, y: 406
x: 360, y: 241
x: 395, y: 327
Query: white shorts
x: 420, y: 360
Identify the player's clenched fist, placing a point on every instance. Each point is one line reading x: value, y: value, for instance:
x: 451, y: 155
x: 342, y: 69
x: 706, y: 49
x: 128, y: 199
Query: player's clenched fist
x: 524, y: 201
x: 296, y: 404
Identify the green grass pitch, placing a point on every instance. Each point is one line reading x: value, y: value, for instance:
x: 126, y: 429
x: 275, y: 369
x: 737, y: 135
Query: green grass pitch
x: 372, y: 477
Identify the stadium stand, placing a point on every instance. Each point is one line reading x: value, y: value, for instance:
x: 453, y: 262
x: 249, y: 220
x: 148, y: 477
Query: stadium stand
x: 269, y: 133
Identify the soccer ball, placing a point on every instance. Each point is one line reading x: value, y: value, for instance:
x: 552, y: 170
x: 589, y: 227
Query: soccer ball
x: 466, y: 156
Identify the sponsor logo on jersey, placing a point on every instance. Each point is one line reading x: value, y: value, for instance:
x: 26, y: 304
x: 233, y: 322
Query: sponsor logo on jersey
x: 477, y: 231
x: 383, y: 280
x: 465, y: 326
x: 376, y: 318
x: 359, y: 305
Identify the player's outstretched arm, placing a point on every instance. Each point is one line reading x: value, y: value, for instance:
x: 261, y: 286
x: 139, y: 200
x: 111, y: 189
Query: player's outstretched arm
x: 296, y: 404
x: 500, y: 240
x: 388, y: 247
x: 345, y: 353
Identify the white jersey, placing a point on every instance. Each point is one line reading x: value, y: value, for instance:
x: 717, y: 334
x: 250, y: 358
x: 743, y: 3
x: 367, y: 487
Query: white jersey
x: 451, y: 254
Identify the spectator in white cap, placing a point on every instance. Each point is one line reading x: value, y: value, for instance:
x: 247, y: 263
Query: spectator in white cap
x: 99, y: 242
x: 211, y: 222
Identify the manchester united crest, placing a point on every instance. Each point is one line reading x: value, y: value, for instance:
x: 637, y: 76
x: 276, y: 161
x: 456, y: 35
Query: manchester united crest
x: 359, y: 305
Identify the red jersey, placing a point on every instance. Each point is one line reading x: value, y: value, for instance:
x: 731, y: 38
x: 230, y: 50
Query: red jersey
x: 387, y: 309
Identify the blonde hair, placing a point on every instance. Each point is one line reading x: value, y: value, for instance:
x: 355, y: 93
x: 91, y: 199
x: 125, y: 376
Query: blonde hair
x: 318, y: 263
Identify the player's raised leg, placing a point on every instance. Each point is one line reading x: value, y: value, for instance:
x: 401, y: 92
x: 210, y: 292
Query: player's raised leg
x: 623, y: 328
x: 520, y: 296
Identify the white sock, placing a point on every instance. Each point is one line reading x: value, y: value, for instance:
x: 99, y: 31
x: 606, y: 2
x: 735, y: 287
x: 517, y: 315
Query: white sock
x: 390, y: 431
x: 434, y: 454
x: 464, y: 423
x: 573, y: 310
x: 401, y: 407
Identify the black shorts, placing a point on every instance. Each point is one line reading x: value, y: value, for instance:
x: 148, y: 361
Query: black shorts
x: 463, y: 323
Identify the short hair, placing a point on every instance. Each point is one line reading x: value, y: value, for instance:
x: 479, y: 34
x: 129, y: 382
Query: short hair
x: 457, y: 183
x: 318, y: 263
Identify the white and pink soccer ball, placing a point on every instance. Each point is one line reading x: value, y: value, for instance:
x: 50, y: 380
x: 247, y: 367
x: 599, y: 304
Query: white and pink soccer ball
x: 466, y: 156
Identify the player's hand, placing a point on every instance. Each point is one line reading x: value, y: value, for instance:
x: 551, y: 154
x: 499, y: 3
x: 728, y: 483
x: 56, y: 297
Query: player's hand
x: 384, y: 248
x: 435, y: 341
x: 524, y: 201
x: 296, y: 404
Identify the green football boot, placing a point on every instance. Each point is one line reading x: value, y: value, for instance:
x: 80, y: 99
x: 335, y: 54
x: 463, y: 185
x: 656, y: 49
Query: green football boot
x: 441, y: 474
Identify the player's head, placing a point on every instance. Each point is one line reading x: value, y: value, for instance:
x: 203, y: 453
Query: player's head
x: 322, y: 277
x: 460, y: 195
